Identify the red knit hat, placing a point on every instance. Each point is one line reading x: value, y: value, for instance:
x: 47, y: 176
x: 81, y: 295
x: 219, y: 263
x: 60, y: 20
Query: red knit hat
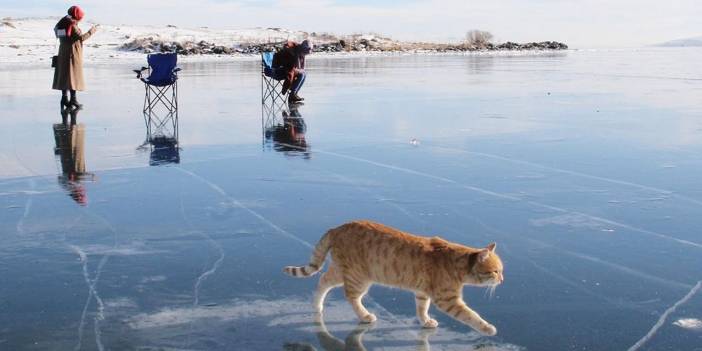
x: 76, y: 12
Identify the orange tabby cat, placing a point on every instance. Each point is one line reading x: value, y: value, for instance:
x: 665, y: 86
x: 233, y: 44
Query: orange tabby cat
x: 365, y: 252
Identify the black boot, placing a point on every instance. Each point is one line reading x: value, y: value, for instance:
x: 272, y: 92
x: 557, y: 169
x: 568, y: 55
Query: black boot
x: 294, y: 99
x: 64, y: 116
x: 64, y: 102
x: 75, y: 104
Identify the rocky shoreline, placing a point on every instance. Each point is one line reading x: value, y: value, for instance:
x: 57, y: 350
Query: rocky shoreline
x: 28, y: 41
x: 354, y: 44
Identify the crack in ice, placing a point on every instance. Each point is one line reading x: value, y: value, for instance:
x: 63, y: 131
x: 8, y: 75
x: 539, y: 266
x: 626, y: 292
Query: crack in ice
x: 664, y: 316
x: 511, y: 197
x: 280, y: 230
x: 238, y: 203
x: 93, y: 291
x: 574, y: 173
x: 215, y: 265
x: 27, y: 208
x: 212, y: 270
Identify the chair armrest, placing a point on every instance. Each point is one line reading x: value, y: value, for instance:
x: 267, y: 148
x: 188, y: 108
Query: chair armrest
x: 140, y: 71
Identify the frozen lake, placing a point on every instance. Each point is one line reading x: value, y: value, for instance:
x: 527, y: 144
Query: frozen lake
x: 583, y: 166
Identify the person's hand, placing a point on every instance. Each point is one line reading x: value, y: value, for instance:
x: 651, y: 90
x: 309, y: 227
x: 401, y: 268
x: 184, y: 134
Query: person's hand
x: 95, y: 28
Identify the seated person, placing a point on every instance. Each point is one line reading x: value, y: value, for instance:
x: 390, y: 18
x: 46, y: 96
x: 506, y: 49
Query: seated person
x: 289, y: 64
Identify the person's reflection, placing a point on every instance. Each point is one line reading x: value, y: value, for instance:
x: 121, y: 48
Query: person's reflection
x: 289, y: 137
x: 353, y: 341
x: 70, y: 150
x: 65, y: 112
x: 164, y: 151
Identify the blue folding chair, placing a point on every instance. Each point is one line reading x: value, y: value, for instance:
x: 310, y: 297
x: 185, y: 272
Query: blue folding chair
x: 161, y: 99
x: 272, y: 82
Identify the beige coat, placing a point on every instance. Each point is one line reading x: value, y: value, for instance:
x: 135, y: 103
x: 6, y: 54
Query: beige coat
x: 68, y: 74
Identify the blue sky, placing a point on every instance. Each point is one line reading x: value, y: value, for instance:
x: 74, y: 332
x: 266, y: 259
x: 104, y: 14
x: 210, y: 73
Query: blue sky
x: 579, y: 23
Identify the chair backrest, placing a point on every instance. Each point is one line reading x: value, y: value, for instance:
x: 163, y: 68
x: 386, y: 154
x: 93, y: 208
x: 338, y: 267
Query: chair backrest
x: 162, y: 66
x: 267, y: 63
x: 267, y: 59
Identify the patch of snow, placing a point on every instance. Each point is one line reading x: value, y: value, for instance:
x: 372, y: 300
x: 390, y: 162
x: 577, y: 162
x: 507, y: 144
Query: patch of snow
x: 32, y: 41
x: 569, y: 220
x: 689, y: 323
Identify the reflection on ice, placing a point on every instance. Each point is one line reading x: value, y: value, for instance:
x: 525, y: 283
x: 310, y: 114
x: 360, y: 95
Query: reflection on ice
x: 164, y: 151
x: 70, y: 150
x: 285, y: 129
x: 244, y: 323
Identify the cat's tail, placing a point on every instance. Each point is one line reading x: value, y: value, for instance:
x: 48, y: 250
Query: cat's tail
x: 316, y: 262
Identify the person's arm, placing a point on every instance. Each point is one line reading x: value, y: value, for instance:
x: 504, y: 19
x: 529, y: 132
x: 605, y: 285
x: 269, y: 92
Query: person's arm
x: 87, y: 35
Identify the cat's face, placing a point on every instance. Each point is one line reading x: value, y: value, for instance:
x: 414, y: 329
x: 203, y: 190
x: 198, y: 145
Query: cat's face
x: 488, y: 268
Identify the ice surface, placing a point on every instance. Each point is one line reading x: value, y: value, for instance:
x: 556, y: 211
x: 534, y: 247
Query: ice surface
x: 561, y: 159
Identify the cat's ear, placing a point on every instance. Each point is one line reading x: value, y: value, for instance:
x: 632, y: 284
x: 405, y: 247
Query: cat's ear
x: 491, y: 247
x: 483, y: 255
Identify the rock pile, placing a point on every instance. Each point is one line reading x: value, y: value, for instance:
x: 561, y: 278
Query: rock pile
x: 544, y: 45
x: 355, y: 43
x: 6, y: 22
x: 149, y: 45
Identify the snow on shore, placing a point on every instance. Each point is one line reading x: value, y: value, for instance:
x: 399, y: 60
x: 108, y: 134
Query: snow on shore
x: 30, y: 41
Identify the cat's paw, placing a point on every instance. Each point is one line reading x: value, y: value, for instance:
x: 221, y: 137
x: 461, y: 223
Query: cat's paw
x: 488, y: 329
x: 430, y: 323
x: 369, y: 318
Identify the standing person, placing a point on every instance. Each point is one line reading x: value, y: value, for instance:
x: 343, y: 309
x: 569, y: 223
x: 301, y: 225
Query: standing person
x: 289, y: 64
x: 68, y: 71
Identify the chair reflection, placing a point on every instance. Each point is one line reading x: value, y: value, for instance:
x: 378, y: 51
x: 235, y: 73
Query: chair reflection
x: 285, y: 130
x: 70, y: 152
x: 161, y: 132
x: 164, y: 151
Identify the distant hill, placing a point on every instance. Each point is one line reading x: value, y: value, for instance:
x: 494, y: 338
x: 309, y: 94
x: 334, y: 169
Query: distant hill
x: 694, y: 41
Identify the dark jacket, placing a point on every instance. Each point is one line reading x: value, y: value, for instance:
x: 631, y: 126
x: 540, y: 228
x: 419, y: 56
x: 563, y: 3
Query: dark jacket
x: 285, y: 60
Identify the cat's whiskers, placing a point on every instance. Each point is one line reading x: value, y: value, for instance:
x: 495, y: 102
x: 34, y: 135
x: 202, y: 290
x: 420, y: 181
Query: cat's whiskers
x: 490, y: 290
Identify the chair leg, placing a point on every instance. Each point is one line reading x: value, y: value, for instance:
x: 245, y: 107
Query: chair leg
x: 161, y: 111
